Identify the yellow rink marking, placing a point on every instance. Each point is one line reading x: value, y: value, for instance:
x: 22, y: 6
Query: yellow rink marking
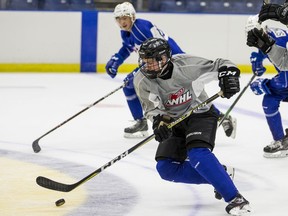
x: 20, y: 194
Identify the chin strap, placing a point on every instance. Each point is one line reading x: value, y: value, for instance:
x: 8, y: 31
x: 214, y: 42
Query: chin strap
x: 166, y: 71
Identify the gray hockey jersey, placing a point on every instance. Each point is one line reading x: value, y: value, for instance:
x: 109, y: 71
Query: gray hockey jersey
x: 184, y: 90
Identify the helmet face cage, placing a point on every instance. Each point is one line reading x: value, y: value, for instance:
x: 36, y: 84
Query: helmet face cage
x: 154, y: 55
x: 125, y: 9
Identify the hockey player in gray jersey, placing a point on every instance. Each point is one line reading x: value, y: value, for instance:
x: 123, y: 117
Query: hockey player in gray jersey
x: 170, y: 86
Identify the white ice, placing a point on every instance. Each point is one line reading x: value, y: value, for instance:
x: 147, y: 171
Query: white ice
x: 32, y: 104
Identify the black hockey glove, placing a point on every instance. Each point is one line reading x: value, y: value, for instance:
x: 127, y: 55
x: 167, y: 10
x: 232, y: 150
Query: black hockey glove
x: 275, y: 12
x: 229, y: 80
x: 283, y: 14
x: 260, y: 39
x: 161, y: 131
x: 268, y: 11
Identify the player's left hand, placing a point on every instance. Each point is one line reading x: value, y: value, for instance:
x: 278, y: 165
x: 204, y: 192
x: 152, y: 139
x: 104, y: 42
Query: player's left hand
x: 275, y: 12
x: 129, y: 79
x: 268, y: 11
x: 259, y: 86
x: 283, y: 14
x: 229, y: 80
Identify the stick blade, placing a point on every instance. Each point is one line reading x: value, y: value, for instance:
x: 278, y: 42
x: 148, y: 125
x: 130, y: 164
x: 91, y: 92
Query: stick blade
x: 53, y: 185
x: 35, y: 146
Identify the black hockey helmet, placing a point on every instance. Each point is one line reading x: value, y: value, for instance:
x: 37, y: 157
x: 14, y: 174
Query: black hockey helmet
x: 154, y: 55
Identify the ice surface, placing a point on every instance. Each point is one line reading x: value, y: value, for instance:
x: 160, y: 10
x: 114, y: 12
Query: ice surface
x: 32, y: 104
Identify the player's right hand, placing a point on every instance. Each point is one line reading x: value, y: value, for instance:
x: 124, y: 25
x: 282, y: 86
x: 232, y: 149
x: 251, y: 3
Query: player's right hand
x: 113, y: 65
x: 161, y: 131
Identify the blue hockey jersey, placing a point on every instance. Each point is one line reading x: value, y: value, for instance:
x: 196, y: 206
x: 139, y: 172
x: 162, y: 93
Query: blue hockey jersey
x: 141, y: 31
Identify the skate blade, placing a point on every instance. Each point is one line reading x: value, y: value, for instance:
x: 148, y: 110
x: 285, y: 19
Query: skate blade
x: 230, y: 171
x: 234, y: 122
x: 245, y: 210
x: 279, y: 154
x: 139, y: 134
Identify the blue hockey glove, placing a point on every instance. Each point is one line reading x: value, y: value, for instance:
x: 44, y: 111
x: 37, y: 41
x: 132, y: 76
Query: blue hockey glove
x: 259, y: 86
x: 129, y: 79
x: 113, y: 64
x: 161, y: 131
x: 229, y: 80
x: 256, y: 60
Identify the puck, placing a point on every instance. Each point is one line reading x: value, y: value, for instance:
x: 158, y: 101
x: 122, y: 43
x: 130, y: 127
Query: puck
x: 60, y: 202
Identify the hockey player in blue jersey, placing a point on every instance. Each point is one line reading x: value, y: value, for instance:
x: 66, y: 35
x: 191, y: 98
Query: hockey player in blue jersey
x: 272, y: 44
x: 133, y: 33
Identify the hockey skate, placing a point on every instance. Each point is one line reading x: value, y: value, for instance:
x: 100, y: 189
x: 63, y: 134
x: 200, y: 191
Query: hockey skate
x: 278, y: 148
x: 229, y: 125
x: 238, y: 206
x: 231, y: 172
x: 138, y: 130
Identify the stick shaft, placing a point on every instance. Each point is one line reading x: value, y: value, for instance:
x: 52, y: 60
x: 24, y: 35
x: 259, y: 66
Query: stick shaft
x: 53, y: 185
x: 236, y: 100
x: 35, y: 144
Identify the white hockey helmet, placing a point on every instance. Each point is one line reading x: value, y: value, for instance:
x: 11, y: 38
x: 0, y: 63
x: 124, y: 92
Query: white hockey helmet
x: 125, y: 9
x: 252, y: 22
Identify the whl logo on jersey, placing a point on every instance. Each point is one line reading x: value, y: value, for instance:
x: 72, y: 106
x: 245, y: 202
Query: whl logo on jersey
x: 178, y: 98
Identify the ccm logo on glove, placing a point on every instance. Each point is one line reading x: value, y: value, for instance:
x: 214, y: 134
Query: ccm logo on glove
x: 228, y: 73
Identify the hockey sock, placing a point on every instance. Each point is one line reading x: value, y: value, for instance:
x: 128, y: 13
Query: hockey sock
x: 208, y: 166
x: 179, y: 172
x: 275, y: 125
x: 133, y: 103
x: 270, y: 106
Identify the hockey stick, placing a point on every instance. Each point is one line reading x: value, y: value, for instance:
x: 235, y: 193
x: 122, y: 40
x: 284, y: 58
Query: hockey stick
x: 236, y: 100
x: 53, y: 185
x: 35, y: 145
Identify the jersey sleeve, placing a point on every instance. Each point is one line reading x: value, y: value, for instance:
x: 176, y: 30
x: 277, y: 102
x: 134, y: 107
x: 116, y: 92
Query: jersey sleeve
x: 127, y: 45
x: 279, y: 35
x: 202, y: 71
